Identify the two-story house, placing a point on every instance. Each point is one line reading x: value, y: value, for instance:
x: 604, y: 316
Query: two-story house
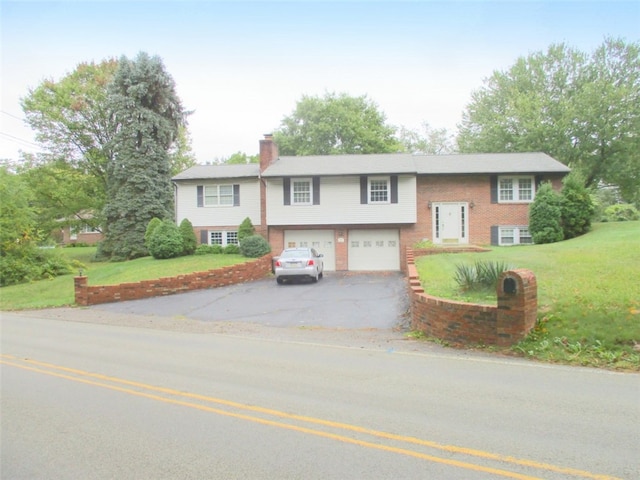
x: 362, y: 211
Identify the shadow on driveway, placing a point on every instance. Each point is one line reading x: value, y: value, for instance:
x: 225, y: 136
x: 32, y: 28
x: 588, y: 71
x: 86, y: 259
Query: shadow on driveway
x: 339, y: 300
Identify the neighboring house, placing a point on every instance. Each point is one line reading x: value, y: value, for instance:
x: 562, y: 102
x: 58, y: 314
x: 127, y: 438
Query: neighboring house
x: 82, y: 234
x: 362, y: 211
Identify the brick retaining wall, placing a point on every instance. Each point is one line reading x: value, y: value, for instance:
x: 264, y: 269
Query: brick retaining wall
x: 243, y: 272
x: 471, y: 324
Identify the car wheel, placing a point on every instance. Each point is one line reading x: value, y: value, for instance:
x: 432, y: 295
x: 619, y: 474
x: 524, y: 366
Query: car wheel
x: 279, y: 281
x: 321, y: 275
x: 315, y: 279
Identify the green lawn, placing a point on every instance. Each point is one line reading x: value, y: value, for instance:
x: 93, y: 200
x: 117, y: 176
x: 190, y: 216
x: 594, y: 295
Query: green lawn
x: 588, y: 294
x: 59, y: 291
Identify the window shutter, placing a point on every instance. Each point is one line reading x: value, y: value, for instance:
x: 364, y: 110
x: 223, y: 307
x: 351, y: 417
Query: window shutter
x: 316, y: 190
x: 236, y: 195
x: 200, y: 194
x: 204, y: 237
x: 538, y: 181
x: 495, y: 235
x: 286, y: 191
x: 394, y: 188
x: 363, y: 189
x: 494, y: 189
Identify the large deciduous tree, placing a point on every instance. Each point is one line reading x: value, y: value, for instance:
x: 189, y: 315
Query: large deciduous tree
x: 148, y: 115
x: 582, y: 109
x: 335, y: 124
x: 427, y: 140
x: 76, y: 125
x: 71, y: 118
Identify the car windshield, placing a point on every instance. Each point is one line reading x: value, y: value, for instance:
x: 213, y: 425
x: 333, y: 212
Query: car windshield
x: 295, y: 253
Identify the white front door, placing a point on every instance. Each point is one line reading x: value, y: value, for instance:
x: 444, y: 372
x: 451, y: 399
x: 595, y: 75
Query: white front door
x: 450, y: 222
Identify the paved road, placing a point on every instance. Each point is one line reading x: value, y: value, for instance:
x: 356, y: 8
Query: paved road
x: 92, y: 401
x: 339, y: 300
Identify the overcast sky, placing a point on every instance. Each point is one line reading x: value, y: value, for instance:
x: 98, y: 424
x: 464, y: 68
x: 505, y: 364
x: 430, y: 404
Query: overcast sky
x: 242, y: 66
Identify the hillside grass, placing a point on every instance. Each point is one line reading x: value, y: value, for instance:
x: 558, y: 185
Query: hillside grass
x: 59, y: 291
x: 588, y: 294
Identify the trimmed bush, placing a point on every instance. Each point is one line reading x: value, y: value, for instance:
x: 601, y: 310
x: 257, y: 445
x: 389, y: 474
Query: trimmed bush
x: 254, y: 246
x: 231, y: 249
x: 545, y: 216
x: 577, y: 207
x: 165, y: 241
x: 189, y: 240
x: 245, y: 229
x: 203, y: 249
x: 622, y: 212
x: 151, y: 226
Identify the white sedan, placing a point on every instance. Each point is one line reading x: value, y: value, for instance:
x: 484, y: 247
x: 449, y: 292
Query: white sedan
x: 299, y: 263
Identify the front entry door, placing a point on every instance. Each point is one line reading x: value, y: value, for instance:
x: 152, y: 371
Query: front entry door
x: 450, y: 223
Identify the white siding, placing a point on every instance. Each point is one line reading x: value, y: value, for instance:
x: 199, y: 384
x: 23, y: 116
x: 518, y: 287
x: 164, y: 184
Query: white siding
x: 340, y: 204
x: 187, y: 204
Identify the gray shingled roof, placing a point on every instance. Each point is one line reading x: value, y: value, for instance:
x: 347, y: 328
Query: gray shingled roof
x: 379, y: 164
x: 414, y: 163
x: 341, y: 165
x: 535, y: 162
x: 219, y: 171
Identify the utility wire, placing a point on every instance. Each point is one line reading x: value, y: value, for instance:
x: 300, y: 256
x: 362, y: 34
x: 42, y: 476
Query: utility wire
x: 19, y: 140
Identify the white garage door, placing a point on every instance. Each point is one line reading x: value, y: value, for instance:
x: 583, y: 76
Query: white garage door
x: 321, y: 240
x: 374, y: 250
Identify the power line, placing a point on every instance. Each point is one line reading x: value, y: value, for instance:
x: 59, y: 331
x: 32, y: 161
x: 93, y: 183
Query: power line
x: 19, y: 140
x: 12, y: 115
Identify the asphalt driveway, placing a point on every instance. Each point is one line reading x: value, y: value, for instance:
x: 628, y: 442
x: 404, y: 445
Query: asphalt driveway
x: 339, y: 300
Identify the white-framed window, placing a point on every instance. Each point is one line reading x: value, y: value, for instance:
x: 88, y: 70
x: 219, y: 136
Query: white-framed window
x: 378, y: 189
x: 516, y: 235
x: 301, y: 191
x: 223, y: 238
x: 516, y: 189
x: 218, y: 195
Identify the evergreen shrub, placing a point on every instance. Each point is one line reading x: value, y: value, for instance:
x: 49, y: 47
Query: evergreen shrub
x: 245, y: 230
x: 231, y: 249
x: 189, y: 240
x: 545, y: 216
x: 165, y: 241
x: 621, y: 212
x: 254, y: 246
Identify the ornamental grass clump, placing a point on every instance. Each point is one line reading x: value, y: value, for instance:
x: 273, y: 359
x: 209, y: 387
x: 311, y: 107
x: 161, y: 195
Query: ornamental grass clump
x: 481, y: 275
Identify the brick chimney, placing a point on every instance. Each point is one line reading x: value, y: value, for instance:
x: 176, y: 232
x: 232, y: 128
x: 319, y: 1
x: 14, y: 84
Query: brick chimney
x: 268, y: 151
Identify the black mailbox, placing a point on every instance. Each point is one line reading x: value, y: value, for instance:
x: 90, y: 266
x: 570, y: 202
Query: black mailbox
x: 509, y: 285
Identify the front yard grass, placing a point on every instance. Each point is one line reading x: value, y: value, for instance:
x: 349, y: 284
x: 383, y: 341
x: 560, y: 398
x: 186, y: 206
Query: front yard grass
x: 59, y: 292
x: 588, y: 294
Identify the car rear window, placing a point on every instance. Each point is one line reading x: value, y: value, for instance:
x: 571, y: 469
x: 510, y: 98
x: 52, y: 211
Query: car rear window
x: 295, y: 253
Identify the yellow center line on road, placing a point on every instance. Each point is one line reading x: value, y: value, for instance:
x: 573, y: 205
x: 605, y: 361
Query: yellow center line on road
x: 55, y: 369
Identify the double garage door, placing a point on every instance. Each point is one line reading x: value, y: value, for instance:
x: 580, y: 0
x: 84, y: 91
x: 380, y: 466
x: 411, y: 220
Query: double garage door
x: 368, y: 249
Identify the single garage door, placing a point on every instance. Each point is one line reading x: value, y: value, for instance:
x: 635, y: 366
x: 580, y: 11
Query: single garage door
x: 374, y: 249
x: 321, y: 240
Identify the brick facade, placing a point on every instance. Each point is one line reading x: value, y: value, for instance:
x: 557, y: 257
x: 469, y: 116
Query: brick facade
x: 92, y: 295
x: 470, y: 324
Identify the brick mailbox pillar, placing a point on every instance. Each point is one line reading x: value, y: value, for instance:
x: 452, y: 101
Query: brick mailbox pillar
x: 81, y: 290
x: 517, y: 305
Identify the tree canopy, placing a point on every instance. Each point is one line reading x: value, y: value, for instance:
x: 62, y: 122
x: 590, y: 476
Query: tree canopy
x: 583, y: 110
x: 335, y: 124
x: 148, y: 115
x: 76, y: 125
